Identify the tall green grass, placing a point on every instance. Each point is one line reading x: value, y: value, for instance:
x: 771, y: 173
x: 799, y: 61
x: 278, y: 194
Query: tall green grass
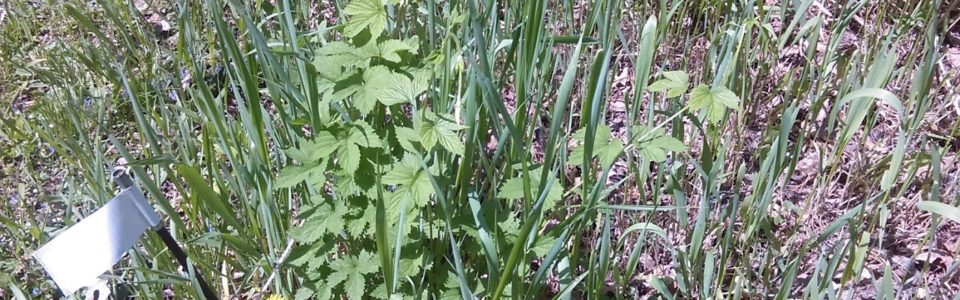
x: 471, y: 149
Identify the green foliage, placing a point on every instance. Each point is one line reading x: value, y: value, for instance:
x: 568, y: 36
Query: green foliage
x: 713, y: 101
x: 363, y: 169
x: 942, y: 209
x: 411, y: 182
x: 365, y: 14
x: 345, y: 142
x: 440, y: 129
x: 320, y: 221
x: 607, y: 150
x: 654, y: 144
x: 512, y: 189
x: 351, y: 270
x: 674, y: 82
x: 402, y: 152
x: 344, y: 70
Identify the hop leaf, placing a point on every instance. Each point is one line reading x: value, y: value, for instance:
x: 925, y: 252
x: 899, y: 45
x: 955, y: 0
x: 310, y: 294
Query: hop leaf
x: 365, y: 14
x: 325, y: 219
x: 383, y: 85
x: 350, y: 271
x: 402, y: 89
x: 412, y: 181
x: 715, y: 100
x: 305, y: 293
x: 510, y: 227
x: 346, y: 143
x: 334, y: 56
x: 390, y: 49
x: 292, y: 175
x: 310, y: 151
x: 543, y: 245
x: 362, y: 134
x: 674, y: 82
x: 406, y: 136
x: 654, y: 143
x: 603, y: 148
x: 359, y: 134
x: 376, y: 81
x: 440, y: 129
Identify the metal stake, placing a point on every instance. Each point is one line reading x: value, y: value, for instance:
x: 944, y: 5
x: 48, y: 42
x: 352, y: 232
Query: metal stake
x: 123, y: 180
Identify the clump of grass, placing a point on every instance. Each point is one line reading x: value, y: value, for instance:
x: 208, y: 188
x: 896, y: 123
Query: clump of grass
x: 516, y: 149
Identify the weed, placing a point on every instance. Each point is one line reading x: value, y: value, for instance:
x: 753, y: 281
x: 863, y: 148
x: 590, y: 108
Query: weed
x: 491, y: 149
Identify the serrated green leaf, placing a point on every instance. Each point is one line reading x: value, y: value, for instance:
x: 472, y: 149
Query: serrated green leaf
x: 314, y: 258
x: 410, y: 266
x: 400, y: 90
x: 371, y: 49
x: 390, y: 49
x: 358, y: 224
x: 406, y: 136
x: 403, y: 89
x: 654, y: 143
x: 434, y: 129
x: 604, y: 148
x: 351, y: 270
x: 411, y: 181
x: 601, y: 138
x: 674, y: 82
x: 362, y: 134
x: 320, y: 147
x: 325, y: 292
x: 349, y: 155
x: 344, y: 88
x: 297, y: 154
x: 610, y: 152
x: 365, y: 14
x: 452, y: 285
x: 512, y: 189
x: 543, y: 245
x: 303, y: 294
x: 714, y: 100
x: 380, y: 292
x: 510, y: 227
x: 326, y: 219
x: 377, y: 81
x: 334, y: 57
x: 358, y: 134
x: 311, y: 153
x: 346, y: 184
x: 293, y: 175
